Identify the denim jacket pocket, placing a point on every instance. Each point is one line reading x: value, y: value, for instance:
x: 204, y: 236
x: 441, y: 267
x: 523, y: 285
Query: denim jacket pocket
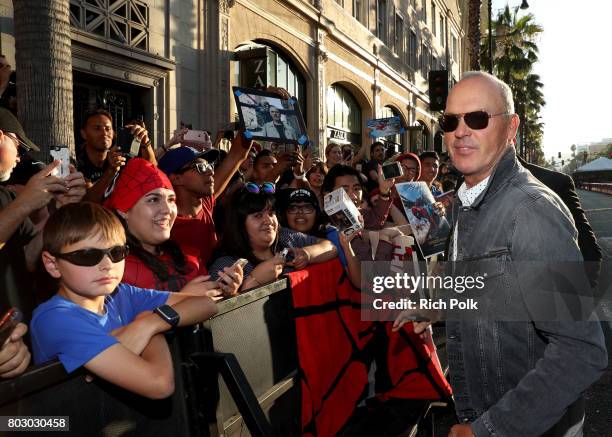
x: 490, y: 270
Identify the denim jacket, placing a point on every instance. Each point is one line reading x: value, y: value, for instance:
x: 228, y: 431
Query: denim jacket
x: 518, y: 378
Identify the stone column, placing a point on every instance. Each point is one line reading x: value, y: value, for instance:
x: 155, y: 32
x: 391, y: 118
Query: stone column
x: 215, y: 66
x: 376, y: 90
x: 321, y: 93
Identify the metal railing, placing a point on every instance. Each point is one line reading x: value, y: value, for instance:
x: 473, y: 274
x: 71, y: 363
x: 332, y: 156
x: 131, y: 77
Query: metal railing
x: 600, y: 187
x: 236, y: 374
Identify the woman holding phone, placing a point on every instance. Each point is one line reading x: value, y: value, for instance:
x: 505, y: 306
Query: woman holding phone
x: 145, y: 202
x: 252, y: 232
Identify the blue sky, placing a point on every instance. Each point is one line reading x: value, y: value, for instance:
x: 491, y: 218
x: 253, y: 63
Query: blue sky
x: 576, y: 69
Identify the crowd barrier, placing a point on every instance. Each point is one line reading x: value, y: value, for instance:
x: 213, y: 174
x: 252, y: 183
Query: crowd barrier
x: 599, y: 187
x: 236, y: 375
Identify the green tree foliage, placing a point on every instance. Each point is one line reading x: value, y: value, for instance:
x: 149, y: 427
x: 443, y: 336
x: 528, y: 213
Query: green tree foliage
x: 514, y: 53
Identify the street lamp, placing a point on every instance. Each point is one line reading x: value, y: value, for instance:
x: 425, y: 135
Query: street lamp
x: 524, y: 5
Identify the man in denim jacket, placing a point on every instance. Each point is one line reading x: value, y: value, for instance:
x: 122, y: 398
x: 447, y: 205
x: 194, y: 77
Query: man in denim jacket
x: 511, y: 378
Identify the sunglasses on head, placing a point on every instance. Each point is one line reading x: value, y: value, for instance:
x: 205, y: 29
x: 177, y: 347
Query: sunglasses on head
x: 200, y: 167
x: 92, y: 257
x: 24, y: 147
x: 266, y: 187
x: 475, y: 120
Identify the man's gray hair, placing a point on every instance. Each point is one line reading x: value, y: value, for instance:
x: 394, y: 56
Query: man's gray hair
x: 504, y: 90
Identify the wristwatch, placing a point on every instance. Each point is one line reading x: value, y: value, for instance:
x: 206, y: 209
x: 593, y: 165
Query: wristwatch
x: 168, y: 315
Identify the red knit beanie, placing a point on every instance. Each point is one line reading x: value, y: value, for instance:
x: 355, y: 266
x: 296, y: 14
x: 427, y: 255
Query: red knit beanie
x: 136, y: 179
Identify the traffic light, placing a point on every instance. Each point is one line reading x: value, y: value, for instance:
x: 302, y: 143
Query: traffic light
x: 562, y: 162
x: 559, y: 155
x: 438, y: 89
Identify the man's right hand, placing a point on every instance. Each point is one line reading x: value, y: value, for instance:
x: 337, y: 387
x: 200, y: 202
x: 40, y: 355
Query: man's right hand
x: 115, y: 159
x: 409, y: 316
x: 41, y: 187
x: 461, y: 430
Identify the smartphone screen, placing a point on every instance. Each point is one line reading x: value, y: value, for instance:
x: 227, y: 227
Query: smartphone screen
x: 392, y: 170
x: 62, y: 154
x: 127, y: 142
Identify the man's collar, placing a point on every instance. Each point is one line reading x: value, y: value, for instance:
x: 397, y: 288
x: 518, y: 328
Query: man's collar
x: 504, y: 170
x: 467, y: 196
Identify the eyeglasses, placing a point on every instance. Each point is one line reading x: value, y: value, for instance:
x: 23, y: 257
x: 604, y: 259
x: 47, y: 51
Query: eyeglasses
x: 200, y: 167
x: 18, y: 142
x: 300, y: 209
x: 266, y: 187
x: 475, y: 120
x: 92, y: 257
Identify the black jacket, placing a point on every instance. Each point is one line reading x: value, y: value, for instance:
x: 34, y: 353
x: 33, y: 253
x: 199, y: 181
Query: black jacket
x: 563, y: 185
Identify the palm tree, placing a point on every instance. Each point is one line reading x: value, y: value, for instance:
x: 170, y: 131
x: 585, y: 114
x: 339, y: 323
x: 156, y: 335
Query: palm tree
x: 514, y: 54
x: 530, y: 100
x: 44, y: 72
x: 474, y: 7
x: 514, y: 47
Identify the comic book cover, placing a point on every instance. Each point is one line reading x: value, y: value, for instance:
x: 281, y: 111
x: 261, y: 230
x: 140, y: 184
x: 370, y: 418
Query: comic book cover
x: 384, y: 127
x: 429, y: 225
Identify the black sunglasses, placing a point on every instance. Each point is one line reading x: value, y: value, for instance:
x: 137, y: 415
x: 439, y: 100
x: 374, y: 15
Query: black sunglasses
x: 475, y: 120
x: 92, y: 257
x: 199, y: 167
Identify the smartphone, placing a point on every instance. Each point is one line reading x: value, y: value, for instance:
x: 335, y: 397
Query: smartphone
x: 196, y: 136
x: 240, y: 262
x: 9, y: 320
x: 62, y: 154
x: 392, y: 170
x: 287, y: 255
x: 128, y: 143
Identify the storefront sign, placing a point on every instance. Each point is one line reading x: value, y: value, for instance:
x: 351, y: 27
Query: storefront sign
x: 337, y: 134
x: 254, y: 67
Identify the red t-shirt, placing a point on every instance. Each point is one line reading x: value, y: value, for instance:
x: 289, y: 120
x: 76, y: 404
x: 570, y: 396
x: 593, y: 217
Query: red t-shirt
x: 138, y: 274
x: 196, y: 235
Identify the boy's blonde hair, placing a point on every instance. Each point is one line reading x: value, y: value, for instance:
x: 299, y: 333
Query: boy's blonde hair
x: 78, y: 221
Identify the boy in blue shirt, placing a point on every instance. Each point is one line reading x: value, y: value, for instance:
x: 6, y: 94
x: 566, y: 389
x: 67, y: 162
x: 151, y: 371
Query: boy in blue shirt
x: 114, y: 330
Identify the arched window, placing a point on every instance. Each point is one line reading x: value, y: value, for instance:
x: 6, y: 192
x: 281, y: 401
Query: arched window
x: 281, y: 72
x: 396, y: 141
x: 343, y: 116
x: 439, y: 142
x: 419, y: 137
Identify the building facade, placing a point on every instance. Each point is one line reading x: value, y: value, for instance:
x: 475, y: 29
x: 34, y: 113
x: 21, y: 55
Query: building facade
x: 347, y: 61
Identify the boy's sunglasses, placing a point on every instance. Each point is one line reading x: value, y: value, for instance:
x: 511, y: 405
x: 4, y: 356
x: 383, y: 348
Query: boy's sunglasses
x: 266, y: 187
x: 475, y: 120
x: 92, y: 257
